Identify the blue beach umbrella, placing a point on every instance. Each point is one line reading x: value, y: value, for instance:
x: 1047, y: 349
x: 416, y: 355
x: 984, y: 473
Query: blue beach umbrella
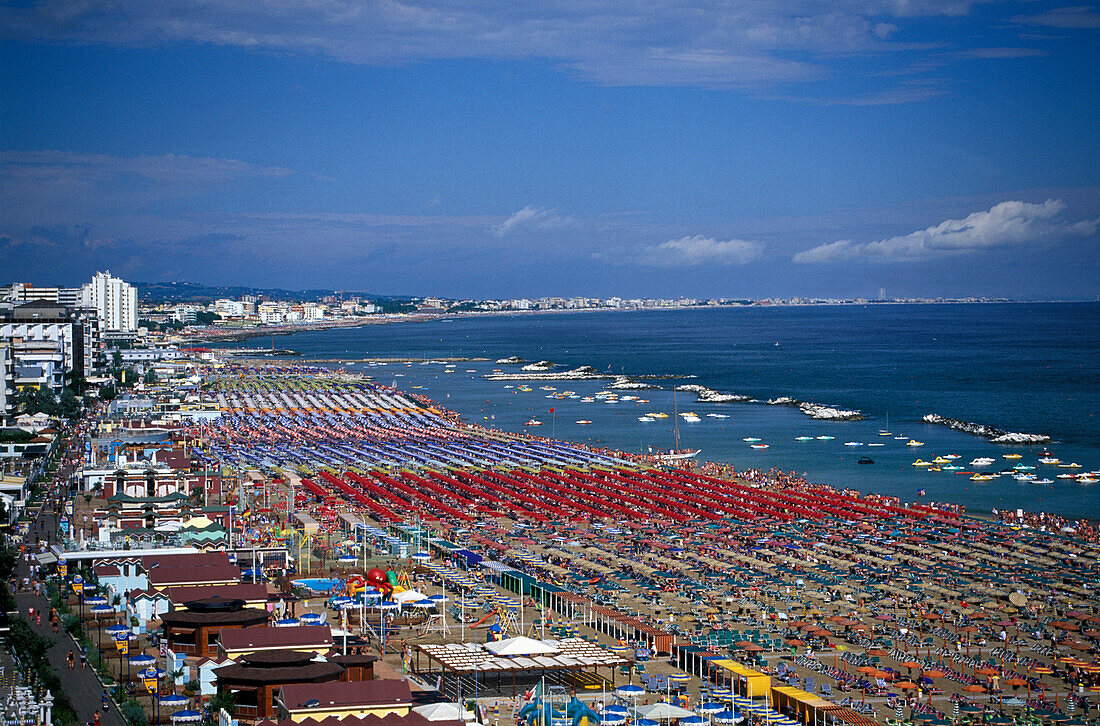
x: 173, y: 701
x: 711, y: 707
x: 186, y: 716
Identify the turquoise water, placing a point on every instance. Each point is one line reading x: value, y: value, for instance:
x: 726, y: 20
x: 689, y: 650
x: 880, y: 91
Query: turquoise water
x: 1021, y: 367
x: 320, y: 584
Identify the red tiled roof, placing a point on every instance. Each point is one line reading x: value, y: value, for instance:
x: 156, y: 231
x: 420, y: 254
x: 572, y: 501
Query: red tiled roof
x: 246, y: 591
x: 196, y: 559
x: 171, y: 575
x: 341, y: 694
x: 303, y: 636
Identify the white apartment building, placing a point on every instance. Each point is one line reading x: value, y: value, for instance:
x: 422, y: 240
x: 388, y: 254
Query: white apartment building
x: 114, y: 300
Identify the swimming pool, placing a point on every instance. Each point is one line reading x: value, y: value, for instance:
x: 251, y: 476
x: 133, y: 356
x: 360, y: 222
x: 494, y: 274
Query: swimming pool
x: 321, y: 585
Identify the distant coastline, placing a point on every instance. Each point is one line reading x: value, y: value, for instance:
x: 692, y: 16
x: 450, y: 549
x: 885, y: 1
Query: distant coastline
x: 215, y: 336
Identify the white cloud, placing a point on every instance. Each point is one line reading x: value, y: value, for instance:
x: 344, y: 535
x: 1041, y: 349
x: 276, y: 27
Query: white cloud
x: 1008, y: 224
x: 711, y: 43
x: 531, y: 218
x: 699, y: 250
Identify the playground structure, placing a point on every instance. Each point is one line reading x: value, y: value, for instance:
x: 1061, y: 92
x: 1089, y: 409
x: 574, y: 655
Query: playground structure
x: 554, y: 707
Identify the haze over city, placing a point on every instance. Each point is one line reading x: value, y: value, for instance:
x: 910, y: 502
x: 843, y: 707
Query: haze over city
x: 479, y: 150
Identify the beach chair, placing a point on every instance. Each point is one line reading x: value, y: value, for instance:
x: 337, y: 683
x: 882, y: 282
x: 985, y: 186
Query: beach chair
x: 826, y: 690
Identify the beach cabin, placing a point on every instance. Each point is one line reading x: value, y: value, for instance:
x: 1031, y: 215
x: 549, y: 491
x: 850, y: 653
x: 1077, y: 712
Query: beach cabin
x: 341, y: 699
x: 315, y: 639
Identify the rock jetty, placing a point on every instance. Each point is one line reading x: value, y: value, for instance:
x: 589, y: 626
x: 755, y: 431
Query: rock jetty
x: 512, y: 360
x: 709, y: 395
x: 995, y: 435
x: 542, y: 365
x: 816, y: 410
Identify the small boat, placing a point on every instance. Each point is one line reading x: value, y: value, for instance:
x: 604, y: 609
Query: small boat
x: 533, y: 422
x: 750, y: 439
x: 584, y: 422
x: 982, y: 461
x: 884, y: 433
x: 922, y: 462
x: 1014, y: 456
x: 1050, y: 460
x: 758, y: 446
x: 825, y: 438
x: 952, y: 457
x: 981, y: 477
x: 876, y: 444
x: 914, y: 442
x: 853, y: 443
x: 678, y: 455
x: 804, y: 438
x: 941, y: 460
x: 690, y: 417
x: 1043, y: 481
x: 1023, y: 467
x: 866, y: 460
x: 1071, y: 465
x: 1087, y: 480
x: 717, y: 415
x: 646, y: 419
x: 900, y: 438
x: 1066, y: 476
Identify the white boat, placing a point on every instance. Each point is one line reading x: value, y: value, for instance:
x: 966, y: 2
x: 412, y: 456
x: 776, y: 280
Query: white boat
x: 758, y: 446
x: 876, y: 444
x: 646, y: 419
x: 750, y: 439
x: 1066, y: 476
x: 825, y: 438
x: 717, y: 415
x: 922, y: 462
x: 853, y: 443
x: 533, y: 422
x: 678, y: 455
x: 804, y: 438
x: 1014, y: 456
x: 914, y: 442
x: 1050, y: 460
x: 1043, y: 481
x: 982, y: 477
x: 900, y: 438
x: 690, y: 418
x: 584, y: 422
x: 1087, y: 480
x: 982, y: 461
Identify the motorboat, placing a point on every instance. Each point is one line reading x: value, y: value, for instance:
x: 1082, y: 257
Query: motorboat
x: 646, y: 419
x: 825, y: 438
x: 758, y: 446
x: 750, y: 439
x: 1050, y: 460
x: 804, y: 438
x: 982, y: 461
x: 584, y: 422
x: 853, y: 443
x: 533, y: 422
x: 1014, y: 456
x: 914, y: 442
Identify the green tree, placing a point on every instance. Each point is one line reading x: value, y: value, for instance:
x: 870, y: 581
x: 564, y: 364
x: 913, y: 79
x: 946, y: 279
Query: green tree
x: 134, y: 714
x: 70, y: 404
x: 107, y: 393
x: 116, y: 360
x: 37, y: 400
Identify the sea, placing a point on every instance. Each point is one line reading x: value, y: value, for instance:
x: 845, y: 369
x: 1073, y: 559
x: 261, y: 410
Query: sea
x: 1020, y: 367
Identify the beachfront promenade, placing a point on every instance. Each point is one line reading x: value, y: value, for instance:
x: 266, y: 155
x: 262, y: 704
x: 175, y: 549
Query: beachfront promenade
x: 82, y: 686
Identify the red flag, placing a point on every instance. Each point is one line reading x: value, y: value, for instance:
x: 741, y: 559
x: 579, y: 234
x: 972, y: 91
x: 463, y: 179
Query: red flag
x: 551, y: 410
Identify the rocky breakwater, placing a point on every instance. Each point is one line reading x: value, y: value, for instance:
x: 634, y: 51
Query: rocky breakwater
x: 995, y: 435
x: 512, y: 360
x: 709, y: 395
x: 542, y: 365
x: 816, y: 410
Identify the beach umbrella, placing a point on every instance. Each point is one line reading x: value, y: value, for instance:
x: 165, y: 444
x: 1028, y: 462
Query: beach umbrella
x: 312, y: 619
x: 288, y: 623
x: 725, y: 717
x: 116, y: 630
x: 629, y: 691
x: 612, y: 719
x: 425, y: 603
x: 95, y: 600
x: 173, y: 701
x: 142, y: 661
x: 711, y: 707
x: 694, y: 721
x: 617, y: 710
x: 186, y: 716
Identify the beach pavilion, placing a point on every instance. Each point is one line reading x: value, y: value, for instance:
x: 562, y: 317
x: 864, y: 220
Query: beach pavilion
x: 521, y: 660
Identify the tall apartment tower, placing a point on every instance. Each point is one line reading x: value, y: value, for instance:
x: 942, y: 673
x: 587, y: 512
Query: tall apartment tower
x: 115, y: 302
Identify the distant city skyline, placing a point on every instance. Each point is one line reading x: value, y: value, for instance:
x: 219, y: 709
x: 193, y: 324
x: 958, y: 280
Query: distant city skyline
x: 479, y: 150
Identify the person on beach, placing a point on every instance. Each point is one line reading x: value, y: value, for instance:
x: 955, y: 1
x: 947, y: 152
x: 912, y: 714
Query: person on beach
x: 72, y: 659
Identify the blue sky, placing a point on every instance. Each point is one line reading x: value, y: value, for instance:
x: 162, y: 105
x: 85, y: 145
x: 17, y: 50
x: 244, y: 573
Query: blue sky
x: 462, y: 148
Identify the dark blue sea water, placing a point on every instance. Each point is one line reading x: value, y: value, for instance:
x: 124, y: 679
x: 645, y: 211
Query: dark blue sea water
x: 1020, y: 367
